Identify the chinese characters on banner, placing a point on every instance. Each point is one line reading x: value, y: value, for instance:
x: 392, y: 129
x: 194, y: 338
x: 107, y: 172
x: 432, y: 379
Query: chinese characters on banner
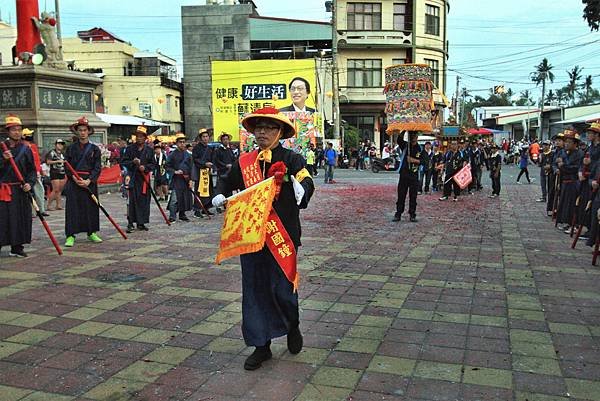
x: 240, y: 87
x: 245, y: 222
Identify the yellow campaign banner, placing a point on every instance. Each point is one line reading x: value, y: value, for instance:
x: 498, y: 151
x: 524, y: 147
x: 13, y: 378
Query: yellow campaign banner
x: 240, y: 87
x: 245, y: 223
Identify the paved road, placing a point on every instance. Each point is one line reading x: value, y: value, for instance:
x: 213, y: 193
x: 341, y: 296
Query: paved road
x: 482, y: 300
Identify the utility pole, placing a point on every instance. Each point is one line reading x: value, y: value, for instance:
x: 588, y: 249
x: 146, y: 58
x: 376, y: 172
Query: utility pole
x: 462, y: 106
x: 58, y: 30
x: 334, y: 76
x: 456, y: 100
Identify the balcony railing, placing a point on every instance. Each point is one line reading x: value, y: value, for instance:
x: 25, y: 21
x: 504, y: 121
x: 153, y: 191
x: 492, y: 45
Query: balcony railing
x: 375, y: 38
x: 169, y: 83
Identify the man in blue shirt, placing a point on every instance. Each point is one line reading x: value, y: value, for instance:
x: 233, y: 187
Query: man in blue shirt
x: 330, y: 156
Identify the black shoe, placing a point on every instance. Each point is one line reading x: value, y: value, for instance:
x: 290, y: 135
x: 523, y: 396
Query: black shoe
x: 584, y: 237
x: 413, y: 219
x: 198, y: 214
x: 396, y: 218
x: 45, y: 214
x: 142, y: 227
x: 294, y: 341
x: 129, y: 228
x: 183, y: 218
x: 260, y: 355
x: 18, y: 253
x: 172, y: 219
x: 206, y: 212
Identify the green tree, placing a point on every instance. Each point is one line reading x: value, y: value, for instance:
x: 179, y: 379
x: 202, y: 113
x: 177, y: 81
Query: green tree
x: 551, y: 97
x: 591, y: 13
x: 350, y: 137
x: 573, y: 85
x: 542, y: 73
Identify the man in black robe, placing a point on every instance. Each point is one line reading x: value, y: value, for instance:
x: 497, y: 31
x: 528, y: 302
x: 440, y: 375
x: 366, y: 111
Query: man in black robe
x: 139, y: 162
x: 594, y: 228
x: 179, y: 166
x: 554, y: 175
x: 15, y: 202
x: 568, y: 165
x: 203, y: 163
x: 408, y: 182
x: 81, y: 212
x: 223, y: 158
x: 269, y: 303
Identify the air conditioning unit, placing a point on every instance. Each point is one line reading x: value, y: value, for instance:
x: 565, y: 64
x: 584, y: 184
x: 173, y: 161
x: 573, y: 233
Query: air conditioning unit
x: 125, y: 109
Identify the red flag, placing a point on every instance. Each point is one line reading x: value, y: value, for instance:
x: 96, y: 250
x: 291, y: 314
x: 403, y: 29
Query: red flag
x: 463, y: 178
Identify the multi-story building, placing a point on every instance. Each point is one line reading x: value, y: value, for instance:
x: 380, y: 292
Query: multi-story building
x: 8, y: 38
x: 237, y: 32
x: 139, y: 84
x: 375, y: 34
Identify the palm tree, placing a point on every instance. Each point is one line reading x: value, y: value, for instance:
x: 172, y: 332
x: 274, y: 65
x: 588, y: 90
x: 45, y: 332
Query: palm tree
x: 587, y: 87
x: 551, y: 97
x: 526, y: 98
x: 540, y: 75
x: 573, y: 85
x: 562, y: 96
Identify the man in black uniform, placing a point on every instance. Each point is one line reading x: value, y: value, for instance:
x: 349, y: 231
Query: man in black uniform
x: 203, y: 162
x: 179, y: 166
x: 410, y: 159
x: 15, y: 203
x: 426, y: 167
x: 495, y: 168
x: 438, y: 166
x: 139, y: 162
x: 81, y: 212
x: 453, y: 162
x: 568, y: 163
x: 223, y: 158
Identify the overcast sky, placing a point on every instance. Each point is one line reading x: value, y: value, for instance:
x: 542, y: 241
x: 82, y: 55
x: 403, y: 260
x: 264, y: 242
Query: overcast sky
x: 491, y: 42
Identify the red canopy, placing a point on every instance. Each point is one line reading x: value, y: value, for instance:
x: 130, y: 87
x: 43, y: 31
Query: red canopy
x: 480, y: 131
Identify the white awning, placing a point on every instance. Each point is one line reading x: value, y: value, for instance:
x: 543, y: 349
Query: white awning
x: 113, y: 119
x: 581, y: 119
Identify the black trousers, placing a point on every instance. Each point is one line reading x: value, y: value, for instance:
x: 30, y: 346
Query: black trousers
x: 451, y: 185
x: 523, y: 170
x: 434, y: 179
x: 427, y: 174
x: 408, y: 183
x: 496, y: 184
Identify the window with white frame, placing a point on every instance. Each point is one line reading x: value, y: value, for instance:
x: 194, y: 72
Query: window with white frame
x: 364, y: 16
x: 364, y: 73
x: 432, y: 20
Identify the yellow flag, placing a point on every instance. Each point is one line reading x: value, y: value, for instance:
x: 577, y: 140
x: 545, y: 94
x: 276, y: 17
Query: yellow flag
x: 244, y: 226
x: 203, y: 188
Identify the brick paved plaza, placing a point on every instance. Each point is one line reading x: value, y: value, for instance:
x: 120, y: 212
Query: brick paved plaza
x: 482, y: 300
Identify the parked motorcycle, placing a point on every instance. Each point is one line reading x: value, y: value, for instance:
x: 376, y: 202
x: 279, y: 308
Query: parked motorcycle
x: 378, y: 164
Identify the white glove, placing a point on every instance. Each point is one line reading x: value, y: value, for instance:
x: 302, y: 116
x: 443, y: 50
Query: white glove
x: 298, y: 190
x: 219, y: 200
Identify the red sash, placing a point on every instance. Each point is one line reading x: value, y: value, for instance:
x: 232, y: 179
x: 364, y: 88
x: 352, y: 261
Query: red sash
x: 277, y: 240
x: 6, y: 191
